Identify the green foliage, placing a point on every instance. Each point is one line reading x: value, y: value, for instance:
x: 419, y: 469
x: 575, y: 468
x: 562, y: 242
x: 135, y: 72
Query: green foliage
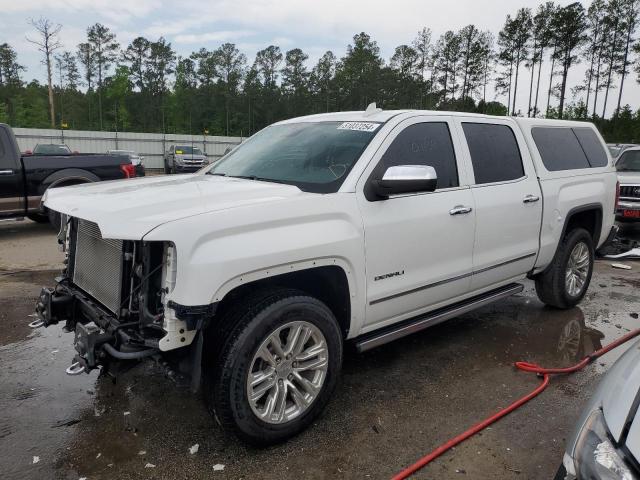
x: 144, y: 86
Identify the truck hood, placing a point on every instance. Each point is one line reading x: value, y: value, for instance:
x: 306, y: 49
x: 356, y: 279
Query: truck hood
x: 632, y: 178
x: 129, y: 209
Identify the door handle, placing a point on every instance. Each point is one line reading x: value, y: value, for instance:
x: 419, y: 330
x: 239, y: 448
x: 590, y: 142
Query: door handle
x: 530, y: 199
x: 6, y: 172
x: 460, y: 210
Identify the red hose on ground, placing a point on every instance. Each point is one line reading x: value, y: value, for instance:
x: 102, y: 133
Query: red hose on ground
x: 524, y: 366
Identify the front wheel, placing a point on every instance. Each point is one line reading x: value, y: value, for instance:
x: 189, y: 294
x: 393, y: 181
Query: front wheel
x: 277, y: 368
x: 565, y: 282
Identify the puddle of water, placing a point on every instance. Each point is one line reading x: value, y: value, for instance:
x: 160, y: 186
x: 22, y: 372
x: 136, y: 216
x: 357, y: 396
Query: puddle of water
x: 39, y: 404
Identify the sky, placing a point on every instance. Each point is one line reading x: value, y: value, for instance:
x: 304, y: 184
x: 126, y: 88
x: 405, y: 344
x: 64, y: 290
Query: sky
x: 314, y: 26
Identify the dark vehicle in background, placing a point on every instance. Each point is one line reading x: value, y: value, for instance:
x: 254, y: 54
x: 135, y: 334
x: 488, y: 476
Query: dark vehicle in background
x: 628, y: 167
x: 25, y: 178
x: 50, y: 149
x: 184, y: 159
x: 136, y: 160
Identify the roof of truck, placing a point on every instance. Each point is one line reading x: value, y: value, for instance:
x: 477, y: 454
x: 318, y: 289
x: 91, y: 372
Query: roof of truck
x: 379, y: 115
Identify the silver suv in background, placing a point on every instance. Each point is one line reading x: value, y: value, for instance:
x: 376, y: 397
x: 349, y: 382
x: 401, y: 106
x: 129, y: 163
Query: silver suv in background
x: 183, y: 159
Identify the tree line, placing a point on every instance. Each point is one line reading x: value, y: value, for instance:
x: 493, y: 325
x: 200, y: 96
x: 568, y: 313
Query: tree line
x: 146, y: 86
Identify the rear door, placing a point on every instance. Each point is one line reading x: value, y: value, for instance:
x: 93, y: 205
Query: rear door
x: 418, y: 246
x: 507, y: 198
x: 11, y: 183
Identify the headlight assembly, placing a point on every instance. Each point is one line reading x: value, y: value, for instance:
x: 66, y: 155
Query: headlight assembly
x: 596, y: 457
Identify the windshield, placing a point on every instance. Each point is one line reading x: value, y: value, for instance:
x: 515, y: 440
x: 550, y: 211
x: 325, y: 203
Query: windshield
x: 614, y: 151
x: 188, y: 151
x: 51, y: 150
x: 629, y: 161
x: 315, y: 157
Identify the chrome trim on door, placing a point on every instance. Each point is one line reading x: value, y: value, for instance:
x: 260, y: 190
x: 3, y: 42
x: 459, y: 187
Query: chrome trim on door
x: 6, y: 172
x: 452, y: 279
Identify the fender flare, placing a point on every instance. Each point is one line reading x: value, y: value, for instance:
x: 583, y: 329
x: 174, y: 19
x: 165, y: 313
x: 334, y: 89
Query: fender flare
x: 597, y: 207
x: 77, y: 175
x: 273, y: 271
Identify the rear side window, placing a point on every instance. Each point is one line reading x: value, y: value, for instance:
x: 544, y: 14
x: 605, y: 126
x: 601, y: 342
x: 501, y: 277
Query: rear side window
x: 425, y: 144
x: 592, y: 147
x: 494, y: 152
x: 5, y: 158
x: 569, y: 148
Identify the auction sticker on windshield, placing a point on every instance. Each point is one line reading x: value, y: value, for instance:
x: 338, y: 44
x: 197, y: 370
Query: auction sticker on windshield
x: 359, y: 126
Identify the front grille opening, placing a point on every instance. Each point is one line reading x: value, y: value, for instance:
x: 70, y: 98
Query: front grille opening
x: 98, y: 265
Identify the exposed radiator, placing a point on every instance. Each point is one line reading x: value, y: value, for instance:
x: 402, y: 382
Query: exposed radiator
x: 97, y: 265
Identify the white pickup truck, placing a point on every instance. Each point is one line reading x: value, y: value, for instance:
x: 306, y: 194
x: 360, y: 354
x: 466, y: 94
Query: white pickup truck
x: 354, y: 226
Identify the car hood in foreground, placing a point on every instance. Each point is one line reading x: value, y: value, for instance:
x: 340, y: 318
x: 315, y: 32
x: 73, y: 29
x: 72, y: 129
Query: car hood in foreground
x: 618, y: 393
x: 129, y: 209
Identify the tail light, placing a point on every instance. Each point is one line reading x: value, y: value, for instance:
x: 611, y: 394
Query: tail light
x: 128, y: 169
x: 615, y: 208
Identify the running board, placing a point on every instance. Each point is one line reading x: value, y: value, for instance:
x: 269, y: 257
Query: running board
x: 394, y: 332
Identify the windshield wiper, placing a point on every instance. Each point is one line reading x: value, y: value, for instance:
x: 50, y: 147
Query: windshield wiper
x: 218, y: 174
x: 258, y: 179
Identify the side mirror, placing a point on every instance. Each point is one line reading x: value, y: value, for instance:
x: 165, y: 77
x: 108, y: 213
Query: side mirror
x: 406, y: 179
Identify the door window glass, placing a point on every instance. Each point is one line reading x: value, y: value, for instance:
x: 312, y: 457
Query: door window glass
x: 426, y: 143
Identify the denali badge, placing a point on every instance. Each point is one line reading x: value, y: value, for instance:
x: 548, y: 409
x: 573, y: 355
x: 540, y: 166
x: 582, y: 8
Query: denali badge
x: 388, y: 275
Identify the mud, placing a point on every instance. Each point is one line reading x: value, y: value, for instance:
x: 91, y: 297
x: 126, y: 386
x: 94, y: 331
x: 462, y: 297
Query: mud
x: 392, y: 404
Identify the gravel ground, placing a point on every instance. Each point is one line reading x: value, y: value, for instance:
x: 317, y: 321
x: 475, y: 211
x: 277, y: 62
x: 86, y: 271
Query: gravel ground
x: 392, y: 405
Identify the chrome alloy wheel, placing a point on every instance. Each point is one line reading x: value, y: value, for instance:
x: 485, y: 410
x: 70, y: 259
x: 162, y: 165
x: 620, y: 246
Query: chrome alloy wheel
x: 287, y: 372
x: 577, y: 269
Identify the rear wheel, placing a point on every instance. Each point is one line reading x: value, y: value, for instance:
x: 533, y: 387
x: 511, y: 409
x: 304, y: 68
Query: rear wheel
x: 277, y: 368
x: 565, y: 282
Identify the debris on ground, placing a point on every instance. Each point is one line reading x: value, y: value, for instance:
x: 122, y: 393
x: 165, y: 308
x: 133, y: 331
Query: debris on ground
x: 218, y: 467
x: 98, y: 455
x: 633, y: 253
x: 142, y: 452
x: 36, y: 459
x: 149, y: 465
x: 194, y: 449
x: 621, y: 266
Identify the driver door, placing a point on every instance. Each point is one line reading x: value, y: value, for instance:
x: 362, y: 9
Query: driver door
x: 418, y: 246
x: 12, y: 201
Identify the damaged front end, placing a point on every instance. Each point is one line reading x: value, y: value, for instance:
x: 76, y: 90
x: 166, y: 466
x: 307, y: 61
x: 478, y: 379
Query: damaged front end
x: 114, y: 295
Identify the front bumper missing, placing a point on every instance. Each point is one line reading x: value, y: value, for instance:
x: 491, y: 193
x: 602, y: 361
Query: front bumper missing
x: 98, y: 334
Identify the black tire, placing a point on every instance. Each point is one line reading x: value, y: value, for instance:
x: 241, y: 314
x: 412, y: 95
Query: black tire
x: 166, y: 168
x: 551, y: 285
x: 38, y: 217
x: 227, y: 366
x: 173, y: 171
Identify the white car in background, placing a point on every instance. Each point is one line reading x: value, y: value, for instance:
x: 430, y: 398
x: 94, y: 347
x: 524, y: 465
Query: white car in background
x: 628, y: 167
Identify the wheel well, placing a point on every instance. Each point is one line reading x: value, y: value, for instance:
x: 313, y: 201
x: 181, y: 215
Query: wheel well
x: 589, y: 218
x: 67, y: 182
x: 328, y: 284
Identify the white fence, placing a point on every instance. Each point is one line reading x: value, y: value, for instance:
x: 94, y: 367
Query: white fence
x: 150, y: 145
